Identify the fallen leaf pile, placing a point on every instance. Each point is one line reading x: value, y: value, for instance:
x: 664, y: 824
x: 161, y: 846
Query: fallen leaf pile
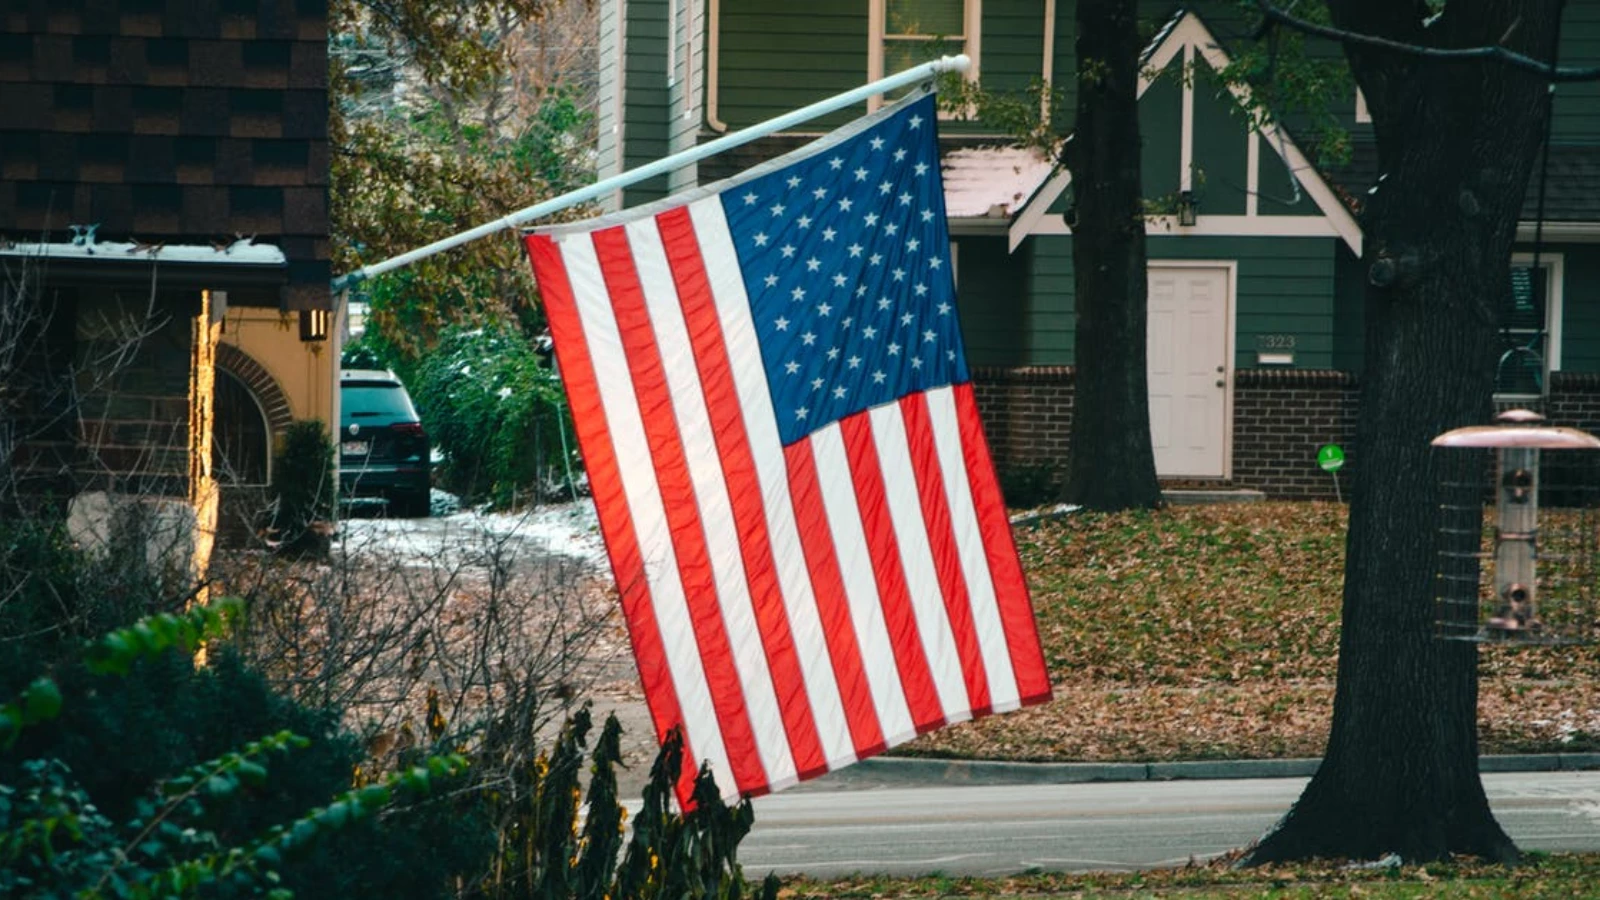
x: 1212, y: 631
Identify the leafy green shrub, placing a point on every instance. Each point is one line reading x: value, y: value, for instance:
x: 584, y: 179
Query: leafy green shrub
x: 495, y: 411
x: 1025, y: 487
x: 302, y: 480
x: 99, y: 758
x: 175, y: 835
x: 364, y: 352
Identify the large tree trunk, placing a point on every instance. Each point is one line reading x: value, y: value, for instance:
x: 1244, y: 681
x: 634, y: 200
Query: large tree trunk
x: 1112, y: 465
x: 1456, y: 144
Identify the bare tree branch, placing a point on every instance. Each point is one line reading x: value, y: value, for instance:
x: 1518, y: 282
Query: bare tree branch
x: 1549, y: 71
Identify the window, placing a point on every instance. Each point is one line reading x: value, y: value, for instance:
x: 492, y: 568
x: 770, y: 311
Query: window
x: 241, y: 442
x: 1530, y: 333
x: 907, y: 33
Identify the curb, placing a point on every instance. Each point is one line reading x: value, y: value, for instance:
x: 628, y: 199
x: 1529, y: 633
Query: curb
x: 886, y: 772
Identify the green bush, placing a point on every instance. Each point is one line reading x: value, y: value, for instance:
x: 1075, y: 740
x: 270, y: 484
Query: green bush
x: 138, y: 713
x: 302, y: 481
x: 1028, y: 486
x: 78, y: 820
x: 126, y: 770
x: 495, y: 410
x: 364, y: 352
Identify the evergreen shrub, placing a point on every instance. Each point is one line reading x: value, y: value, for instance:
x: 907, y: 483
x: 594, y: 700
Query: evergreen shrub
x: 495, y: 409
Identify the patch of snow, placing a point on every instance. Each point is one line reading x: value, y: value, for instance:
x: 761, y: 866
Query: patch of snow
x: 568, y: 531
x: 1043, y: 513
x: 443, y: 503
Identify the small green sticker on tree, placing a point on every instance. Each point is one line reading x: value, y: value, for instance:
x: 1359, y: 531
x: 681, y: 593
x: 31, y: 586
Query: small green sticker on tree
x: 1330, y: 458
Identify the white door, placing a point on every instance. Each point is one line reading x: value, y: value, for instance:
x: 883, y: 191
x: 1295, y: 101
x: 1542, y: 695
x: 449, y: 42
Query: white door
x: 1189, y: 370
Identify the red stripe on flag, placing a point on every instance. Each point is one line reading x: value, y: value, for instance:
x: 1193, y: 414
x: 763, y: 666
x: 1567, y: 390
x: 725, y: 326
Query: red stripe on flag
x: 677, y: 496
x: 927, y: 713
x: 1010, y: 588
x: 605, y: 484
x: 946, y: 554
x: 744, y: 488
x: 866, y: 732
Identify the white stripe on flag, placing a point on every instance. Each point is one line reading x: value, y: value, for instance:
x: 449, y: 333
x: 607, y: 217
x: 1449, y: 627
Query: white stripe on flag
x: 645, y: 507
x: 1003, y: 693
x: 916, y: 556
x: 860, y: 585
x: 761, y: 428
x: 715, y: 514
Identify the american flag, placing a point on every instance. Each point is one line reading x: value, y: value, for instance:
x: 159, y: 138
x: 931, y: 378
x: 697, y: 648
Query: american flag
x: 772, y: 401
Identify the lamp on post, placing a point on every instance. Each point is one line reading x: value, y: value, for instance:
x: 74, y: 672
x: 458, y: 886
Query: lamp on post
x: 1188, y: 208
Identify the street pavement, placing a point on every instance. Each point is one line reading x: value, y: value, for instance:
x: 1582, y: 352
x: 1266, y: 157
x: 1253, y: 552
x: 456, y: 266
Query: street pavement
x: 973, y: 828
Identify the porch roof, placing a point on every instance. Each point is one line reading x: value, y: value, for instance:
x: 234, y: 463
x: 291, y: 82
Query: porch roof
x: 992, y: 182
x: 224, y: 265
x: 1572, y: 194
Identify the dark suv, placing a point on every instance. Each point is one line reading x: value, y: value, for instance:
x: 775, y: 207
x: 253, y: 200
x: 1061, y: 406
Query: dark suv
x: 383, y: 449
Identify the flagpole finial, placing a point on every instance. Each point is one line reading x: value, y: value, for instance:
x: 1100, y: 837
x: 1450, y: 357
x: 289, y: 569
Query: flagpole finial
x: 958, y: 63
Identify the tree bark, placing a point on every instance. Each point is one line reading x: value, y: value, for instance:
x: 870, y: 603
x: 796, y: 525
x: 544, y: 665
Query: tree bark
x: 1456, y: 145
x: 1112, y: 465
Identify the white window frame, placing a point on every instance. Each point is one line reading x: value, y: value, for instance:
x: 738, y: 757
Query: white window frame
x: 1554, y: 265
x: 1363, y: 115
x: 877, y: 20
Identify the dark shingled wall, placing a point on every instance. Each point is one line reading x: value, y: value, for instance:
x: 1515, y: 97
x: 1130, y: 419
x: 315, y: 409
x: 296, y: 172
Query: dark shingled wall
x: 169, y: 121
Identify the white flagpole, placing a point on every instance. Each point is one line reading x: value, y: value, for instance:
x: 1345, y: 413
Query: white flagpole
x: 924, y: 72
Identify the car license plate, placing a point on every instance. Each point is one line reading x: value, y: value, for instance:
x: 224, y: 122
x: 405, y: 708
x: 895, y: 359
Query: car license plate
x: 353, y: 448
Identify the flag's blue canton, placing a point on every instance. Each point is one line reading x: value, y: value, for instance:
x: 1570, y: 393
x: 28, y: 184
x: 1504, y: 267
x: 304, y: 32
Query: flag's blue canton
x: 846, y: 257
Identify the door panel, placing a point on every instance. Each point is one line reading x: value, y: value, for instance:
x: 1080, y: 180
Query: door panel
x: 1188, y: 370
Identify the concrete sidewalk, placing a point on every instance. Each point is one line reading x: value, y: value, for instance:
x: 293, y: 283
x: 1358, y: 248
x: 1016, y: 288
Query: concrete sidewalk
x: 894, y: 771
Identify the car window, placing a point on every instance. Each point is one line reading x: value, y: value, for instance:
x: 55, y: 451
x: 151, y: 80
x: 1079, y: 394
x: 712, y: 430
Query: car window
x: 371, y: 399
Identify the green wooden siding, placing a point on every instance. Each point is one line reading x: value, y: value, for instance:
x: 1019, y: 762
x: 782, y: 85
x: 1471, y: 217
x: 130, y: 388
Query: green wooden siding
x: 765, y: 70
x: 646, y: 102
x: 684, y: 124
x: 779, y: 57
x: 994, y: 302
x: 1285, y: 288
x: 1219, y: 160
x: 1161, y: 128
x: 1577, y: 106
x: 1011, y: 52
x: 1580, y: 305
x: 1349, y: 310
x: 606, y: 109
x: 1278, y: 191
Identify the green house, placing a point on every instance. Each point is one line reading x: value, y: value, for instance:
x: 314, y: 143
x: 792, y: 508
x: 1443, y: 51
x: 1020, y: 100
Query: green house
x: 1256, y: 284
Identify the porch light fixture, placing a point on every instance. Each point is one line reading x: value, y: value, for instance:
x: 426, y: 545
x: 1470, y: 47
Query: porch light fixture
x: 314, y: 324
x: 1188, y: 208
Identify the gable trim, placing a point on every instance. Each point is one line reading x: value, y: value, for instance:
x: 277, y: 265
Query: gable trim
x: 1218, y: 226
x: 1190, y: 36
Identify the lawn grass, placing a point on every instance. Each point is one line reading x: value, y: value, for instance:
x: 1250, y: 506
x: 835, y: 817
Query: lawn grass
x: 1213, y: 632
x: 1543, y: 876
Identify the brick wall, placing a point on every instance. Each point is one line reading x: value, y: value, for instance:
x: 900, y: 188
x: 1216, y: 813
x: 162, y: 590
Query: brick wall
x: 1574, y: 400
x: 1027, y: 414
x: 1280, y: 419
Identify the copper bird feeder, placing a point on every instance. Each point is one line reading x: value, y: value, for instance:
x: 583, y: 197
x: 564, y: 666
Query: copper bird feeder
x: 1514, y: 575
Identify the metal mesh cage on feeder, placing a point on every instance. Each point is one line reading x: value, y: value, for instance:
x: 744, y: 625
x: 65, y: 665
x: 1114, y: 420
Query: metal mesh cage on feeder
x: 1509, y: 571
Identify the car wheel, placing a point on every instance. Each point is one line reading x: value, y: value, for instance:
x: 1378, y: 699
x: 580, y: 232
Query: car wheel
x: 412, y: 505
